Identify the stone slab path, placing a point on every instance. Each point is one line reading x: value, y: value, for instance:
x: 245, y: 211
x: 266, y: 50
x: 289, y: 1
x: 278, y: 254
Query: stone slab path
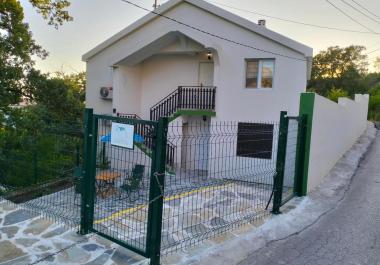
x: 27, y: 238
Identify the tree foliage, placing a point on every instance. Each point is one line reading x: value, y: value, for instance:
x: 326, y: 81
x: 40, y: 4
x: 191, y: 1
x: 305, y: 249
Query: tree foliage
x: 377, y: 64
x: 339, y: 67
x: 39, y: 139
x: 53, y: 11
x: 16, y: 50
x: 343, y: 72
x: 336, y: 93
x: 17, y: 46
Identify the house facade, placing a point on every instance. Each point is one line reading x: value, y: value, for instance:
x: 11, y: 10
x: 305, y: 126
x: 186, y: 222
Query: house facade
x: 154, y: 56
x: 195, y: 62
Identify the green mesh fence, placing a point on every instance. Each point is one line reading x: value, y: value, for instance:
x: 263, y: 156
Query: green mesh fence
x: 40, y: 168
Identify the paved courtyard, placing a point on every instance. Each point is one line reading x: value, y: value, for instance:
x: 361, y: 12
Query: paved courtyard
x: 26, y: 238
x: 189, y: 217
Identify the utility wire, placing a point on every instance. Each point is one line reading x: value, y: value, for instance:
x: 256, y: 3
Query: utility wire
x: 366, y: 9
x: 358, y: 10
x: 294, y: 21
x: 349, y: 16
x: 215, y: 35
x: 212, y: 34
x: 373, y: 51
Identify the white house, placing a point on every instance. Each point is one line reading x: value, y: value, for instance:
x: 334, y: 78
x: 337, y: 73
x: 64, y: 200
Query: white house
x: 196, y: 61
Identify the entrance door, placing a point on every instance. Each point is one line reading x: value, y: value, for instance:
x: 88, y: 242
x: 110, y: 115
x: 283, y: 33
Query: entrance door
x: 206, y: 74
x: 195, y: 145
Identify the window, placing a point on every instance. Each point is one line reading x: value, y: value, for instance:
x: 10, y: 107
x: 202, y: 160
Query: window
x: 259, y: 73
x: 255, y: 140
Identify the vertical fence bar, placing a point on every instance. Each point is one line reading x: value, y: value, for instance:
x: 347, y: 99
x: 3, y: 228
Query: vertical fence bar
x: 300, y: 153
x: 156, y: 193
x: 85, y: 224
x: 35, y: 166
x: 179, y: 104
x: 280, y: 163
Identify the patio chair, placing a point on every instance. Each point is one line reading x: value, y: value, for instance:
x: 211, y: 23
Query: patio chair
x: 133, y: 181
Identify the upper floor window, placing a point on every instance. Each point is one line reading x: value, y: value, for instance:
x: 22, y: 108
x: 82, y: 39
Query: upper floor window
x: 259, y: 73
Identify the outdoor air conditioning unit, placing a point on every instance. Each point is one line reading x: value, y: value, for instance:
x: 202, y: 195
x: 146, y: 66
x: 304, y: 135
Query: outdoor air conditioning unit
x: 106, y: 93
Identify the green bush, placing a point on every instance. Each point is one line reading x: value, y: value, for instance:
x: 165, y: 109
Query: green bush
x: 374, y: 107
x: 335, y: 93
x: 35, y: 149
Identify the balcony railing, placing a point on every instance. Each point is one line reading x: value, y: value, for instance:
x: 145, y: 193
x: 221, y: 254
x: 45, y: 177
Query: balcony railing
x: 185, y: 97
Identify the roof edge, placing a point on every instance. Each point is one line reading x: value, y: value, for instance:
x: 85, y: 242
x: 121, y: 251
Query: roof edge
x: 213, y: 9
x: 129, y: 29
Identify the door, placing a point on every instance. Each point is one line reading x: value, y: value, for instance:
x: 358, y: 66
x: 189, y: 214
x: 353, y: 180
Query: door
x: 206, y: 74
x: 195, y: 145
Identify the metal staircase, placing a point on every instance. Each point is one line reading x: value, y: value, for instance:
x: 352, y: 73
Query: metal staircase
x: 184, y: 98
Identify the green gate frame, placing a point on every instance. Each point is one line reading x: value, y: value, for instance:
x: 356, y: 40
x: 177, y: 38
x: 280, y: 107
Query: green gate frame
x: 157, y: 177
x: 281, y: 158
x: 157, y: 180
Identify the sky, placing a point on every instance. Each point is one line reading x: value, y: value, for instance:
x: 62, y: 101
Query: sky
x: 97, y: 20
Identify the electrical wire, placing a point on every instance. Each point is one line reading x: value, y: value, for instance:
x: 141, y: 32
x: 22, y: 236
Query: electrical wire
x: 294, y: 21
x: 368, y: 53
x: 212, y: 34
x: 215, y: 35
x: 349, y: 16
x: 361, y: 12
x: 366, y: 9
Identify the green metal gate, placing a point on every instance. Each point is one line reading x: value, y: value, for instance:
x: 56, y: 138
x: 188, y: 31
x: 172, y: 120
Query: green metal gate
x: 123, y: 186
x: 290, y: 159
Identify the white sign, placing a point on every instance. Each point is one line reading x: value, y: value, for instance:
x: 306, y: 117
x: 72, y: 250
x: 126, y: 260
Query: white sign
x: 122, y: 135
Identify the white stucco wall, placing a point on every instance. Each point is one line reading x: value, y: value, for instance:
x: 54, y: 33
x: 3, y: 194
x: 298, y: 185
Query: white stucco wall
x: 162, y: 74
x: 335, y: 128
x: 233, y: 100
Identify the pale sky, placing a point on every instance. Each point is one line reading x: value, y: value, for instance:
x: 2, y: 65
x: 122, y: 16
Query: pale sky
x: 97, y: 20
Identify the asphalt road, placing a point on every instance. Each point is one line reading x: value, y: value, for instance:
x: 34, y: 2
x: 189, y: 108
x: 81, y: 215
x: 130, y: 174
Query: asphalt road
x: 349, y: 235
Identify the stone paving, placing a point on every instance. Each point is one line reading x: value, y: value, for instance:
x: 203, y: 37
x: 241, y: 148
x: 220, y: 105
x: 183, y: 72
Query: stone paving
x: 188, y: 218
x: 192, y: 216
x: 26, y: 238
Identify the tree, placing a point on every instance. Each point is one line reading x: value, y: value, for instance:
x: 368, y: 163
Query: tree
x: 62, y: 96
x: 377, y: 64
x: 17, y: 46
x: 338, y: 67
x: 53, y: 10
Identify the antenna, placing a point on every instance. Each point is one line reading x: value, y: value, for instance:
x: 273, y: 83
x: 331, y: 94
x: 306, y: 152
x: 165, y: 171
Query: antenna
x: 155, y: 4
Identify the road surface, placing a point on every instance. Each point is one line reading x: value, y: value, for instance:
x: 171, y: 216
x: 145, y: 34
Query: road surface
x: 350, y: 234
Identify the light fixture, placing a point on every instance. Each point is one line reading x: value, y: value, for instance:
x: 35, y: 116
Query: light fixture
x: 209, y: 55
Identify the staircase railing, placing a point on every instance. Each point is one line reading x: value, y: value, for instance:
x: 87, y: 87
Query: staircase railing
x: 184, y: 97
x: 146, y: 133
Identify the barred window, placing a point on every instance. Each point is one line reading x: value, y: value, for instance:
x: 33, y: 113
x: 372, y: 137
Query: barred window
x: 255, y: 140
x: 259, y: 73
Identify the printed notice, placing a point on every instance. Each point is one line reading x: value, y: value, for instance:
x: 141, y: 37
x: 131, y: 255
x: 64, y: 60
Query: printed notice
x: 122, y: 135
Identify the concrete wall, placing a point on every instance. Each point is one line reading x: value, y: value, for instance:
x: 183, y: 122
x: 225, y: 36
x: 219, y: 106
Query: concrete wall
x: 162, y: 74
x: 233, y: 101
x: 335, y: 128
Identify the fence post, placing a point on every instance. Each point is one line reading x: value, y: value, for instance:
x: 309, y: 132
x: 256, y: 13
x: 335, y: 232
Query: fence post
x: 86, y: 184
x: 156, y: 192
x: 280, y: 163
x: 300, y: 153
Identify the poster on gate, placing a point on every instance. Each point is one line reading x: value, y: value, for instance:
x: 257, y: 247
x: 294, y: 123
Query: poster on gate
x: 122, y: 135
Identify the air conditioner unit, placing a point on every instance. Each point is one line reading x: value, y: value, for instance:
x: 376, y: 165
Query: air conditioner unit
x: 106, y: 93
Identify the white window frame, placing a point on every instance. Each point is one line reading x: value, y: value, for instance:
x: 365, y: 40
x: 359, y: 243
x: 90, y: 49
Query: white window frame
x: 260, y: 70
